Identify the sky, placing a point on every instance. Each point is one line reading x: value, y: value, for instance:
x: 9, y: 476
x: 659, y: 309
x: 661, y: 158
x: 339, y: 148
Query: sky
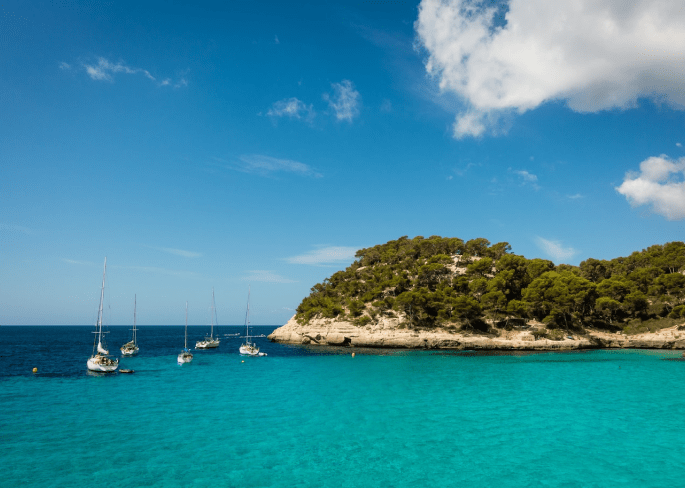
x: 225, y: 145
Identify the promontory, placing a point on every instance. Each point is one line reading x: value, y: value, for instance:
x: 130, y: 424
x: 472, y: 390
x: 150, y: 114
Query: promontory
x: 446, y: 293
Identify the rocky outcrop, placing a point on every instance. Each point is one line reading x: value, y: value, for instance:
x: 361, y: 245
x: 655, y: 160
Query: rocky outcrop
x: 389, y: 333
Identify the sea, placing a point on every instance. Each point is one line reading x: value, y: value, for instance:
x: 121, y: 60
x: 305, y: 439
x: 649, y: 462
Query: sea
x: 305, y: 416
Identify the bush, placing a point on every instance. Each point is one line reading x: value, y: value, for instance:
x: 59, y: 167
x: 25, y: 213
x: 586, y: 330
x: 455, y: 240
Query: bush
x: 363, y: 321
x: 539, y: 333
x: 677, y: 312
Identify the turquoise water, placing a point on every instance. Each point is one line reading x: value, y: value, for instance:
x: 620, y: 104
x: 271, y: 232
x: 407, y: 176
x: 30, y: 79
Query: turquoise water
x: 311, y: 417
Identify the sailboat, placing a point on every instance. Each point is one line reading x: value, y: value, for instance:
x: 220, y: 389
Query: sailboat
x: 249, y: 348
x: 131, y: 347
x: 185, y: 356
x: 99, y: 361
x: 210, y: 342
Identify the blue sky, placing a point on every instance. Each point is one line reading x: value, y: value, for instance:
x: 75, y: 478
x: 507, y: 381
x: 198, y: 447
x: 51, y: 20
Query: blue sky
x: 239, y: 143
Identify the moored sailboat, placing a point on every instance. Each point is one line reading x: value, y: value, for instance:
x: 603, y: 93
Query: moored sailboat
x: 131, y: 347
x: 185, y: 356
x: 210, y: 342
x: 99, y: 361
x: 249, y: 348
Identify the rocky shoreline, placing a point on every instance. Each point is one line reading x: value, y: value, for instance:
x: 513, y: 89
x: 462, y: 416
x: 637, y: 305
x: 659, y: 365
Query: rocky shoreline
x: 387, y: 333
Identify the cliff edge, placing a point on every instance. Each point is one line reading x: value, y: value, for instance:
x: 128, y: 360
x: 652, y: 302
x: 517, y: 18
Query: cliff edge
x: 388, y: 333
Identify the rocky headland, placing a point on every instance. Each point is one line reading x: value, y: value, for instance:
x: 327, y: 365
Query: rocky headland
x: 389, y: 333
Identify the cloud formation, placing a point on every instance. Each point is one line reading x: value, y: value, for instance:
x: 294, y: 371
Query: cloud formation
x: 660, y: 183
x: 344, y: 101
x: 292, y: 108
x: 595, y: 55
x: 104, y: 69
x: 555, y: 250
x: 266, y: 166
x: 325, y: 256
x: 266, y: 277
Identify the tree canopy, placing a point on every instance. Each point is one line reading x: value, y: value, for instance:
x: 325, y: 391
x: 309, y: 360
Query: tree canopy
x: 439, y: 281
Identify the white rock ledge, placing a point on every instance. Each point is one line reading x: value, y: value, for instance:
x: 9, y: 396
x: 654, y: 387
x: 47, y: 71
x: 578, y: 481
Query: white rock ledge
x: 387, y: 334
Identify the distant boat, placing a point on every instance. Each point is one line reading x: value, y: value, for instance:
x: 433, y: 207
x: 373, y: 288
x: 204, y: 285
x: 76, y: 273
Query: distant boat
x: 99, y: 361
x: 185, y: 356
x: 131, y: 347
x: 210, y: 342
x: 249, y: 348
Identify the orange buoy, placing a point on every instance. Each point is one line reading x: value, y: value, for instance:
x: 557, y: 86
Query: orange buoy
x: 35, y: 370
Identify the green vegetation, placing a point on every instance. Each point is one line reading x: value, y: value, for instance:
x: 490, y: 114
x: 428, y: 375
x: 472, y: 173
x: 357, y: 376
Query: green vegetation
x: 447, y: 282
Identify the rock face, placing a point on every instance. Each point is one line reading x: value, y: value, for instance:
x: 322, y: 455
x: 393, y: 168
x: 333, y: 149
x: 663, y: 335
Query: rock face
x: 389, y: 333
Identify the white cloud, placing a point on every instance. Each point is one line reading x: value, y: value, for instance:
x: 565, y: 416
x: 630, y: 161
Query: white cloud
x: 325, y: 256
x: 345, y: 101
x: 266, y: 276
x: 678, y: 144
x: 555, y: 250
x: 64, y: 65
x: 529, y: 177
x: 576, y: 196
x: 595, y: 55
x: 659, y: 184
x: 266, y: 165
x: 291, y: 107
x: 104, y: 69
x: 180, y: 252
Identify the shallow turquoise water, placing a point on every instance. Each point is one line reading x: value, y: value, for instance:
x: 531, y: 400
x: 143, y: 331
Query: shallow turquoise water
x: 303, y: 417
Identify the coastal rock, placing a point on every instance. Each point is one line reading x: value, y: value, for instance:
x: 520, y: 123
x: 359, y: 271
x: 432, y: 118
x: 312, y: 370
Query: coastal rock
x: 387, y: 333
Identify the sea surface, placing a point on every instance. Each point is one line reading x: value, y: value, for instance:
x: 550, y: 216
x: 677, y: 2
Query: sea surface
x: 311, y: 417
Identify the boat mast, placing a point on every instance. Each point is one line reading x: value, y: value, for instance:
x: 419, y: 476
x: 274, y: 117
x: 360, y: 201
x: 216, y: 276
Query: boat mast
x: 211, y: 331
x: 134, y: 319
x: 247, y: 317
x: 186, y: 343
x: 102, y: 298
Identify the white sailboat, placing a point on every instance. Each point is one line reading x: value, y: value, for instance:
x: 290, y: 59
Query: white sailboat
x: 131, y: 347
x: 210, y: 342
x: 99, y: 361
x: 249, y: 348
x: 185, y: 356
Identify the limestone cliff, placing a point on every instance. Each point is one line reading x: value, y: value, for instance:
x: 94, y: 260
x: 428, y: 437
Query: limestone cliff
x: 388, y: 333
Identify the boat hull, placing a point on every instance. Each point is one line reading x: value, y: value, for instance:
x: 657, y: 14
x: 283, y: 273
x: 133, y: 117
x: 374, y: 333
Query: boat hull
x: 250, y: 350
x: 98, y: 365
x: 207, y: 344
x: 129, y: 352
x: 184, y: 358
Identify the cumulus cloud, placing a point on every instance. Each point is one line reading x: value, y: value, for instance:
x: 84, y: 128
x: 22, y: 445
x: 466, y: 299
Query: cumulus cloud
x: 660, y: 183
x: 325, y: 256
x: 292, y: 108
x: 266, y: 277
x: 593, y: 55
x: 266, y: 165
x: 555, y: 249
x: 344, y: 101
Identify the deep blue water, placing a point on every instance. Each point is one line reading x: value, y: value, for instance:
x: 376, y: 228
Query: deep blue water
x: 311, y: 417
